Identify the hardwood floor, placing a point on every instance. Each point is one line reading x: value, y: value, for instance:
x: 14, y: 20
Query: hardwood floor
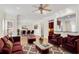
x: 24, y: 40
x: 25, y: 44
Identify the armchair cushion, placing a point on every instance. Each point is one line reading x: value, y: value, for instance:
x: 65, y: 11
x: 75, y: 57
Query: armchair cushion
x: 54, y: 39
x: 4, y: 39
x: 11, y: 39
x: 56, y: 35
x: 70, y: 45
x: 16, y: 43
x: 1, y: 44
x: 7, y: 49
x: 9, y: 44
x: 16, y: 48
x: 76, y: 36
x: 72, y: 38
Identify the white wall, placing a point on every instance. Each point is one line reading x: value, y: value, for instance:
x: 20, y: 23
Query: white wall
x: 27, y: 23
x: 44, y: 21
x: 44, y: 24
x: 4, y: 18
x: 2, y: 14
x: 77, y: 18
x: 13, y: 29
x: 30, y: 25
x: 38, y: 30
x: 1, y: 28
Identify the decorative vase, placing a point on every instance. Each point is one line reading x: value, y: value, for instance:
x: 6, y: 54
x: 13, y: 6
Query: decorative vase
x: 41, y: 40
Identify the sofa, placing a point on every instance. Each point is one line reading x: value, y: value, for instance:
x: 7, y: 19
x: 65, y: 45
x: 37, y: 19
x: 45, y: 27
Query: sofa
x: 10, y: 45
x: 55, y: 39
x: 71, y: 43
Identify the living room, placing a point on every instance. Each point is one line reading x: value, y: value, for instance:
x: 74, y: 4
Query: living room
x: 39, y: 29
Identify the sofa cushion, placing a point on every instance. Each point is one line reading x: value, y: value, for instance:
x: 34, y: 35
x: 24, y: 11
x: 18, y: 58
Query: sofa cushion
x: 72, y: 38
x: 16, y: 48
x: 73, y: 35
x: 11, y: 39
x: 4, y: 39
x: 6, y: 49
x: 7, y: 36
x: 16, y: 43
x: 1, y: 44
x: 54, y: 39
x: 56, y: 35
x: 9, y: 44
x: 70, y: 45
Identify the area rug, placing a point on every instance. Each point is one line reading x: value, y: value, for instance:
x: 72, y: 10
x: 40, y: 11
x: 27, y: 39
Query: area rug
x: 31, y: 49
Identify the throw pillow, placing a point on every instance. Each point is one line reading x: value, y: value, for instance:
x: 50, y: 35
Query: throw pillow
x: 9, y: 44
x: 4, y: 39
x: 1, y: 44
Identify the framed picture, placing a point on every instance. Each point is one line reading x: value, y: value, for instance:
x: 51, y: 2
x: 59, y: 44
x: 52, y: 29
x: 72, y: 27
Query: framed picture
x: 24, y: 27
x: 9, y: 27
x: 9, y: 24
x: 35, y: 26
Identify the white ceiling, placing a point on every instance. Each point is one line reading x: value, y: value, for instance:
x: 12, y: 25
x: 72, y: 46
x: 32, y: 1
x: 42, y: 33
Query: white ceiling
x: 26, y: 10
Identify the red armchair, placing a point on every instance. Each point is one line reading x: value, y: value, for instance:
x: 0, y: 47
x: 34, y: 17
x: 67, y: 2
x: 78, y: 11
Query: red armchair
x: 71, y: 43
x: 55, y: 39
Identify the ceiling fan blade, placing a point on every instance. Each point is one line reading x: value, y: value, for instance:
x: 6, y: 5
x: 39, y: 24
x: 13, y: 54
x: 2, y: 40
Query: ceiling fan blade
x: 47, y: 9
x: 45, y: 5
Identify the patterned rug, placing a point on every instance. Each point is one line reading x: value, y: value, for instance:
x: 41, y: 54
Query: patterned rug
x: 31, y: 49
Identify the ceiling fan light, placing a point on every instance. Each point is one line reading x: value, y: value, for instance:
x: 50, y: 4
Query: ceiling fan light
x: 42, y: 9
x: 43, y: 12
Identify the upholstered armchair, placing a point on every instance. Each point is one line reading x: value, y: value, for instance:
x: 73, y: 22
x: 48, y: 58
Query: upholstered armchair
x: 71, y: 43
x: 55, y: 39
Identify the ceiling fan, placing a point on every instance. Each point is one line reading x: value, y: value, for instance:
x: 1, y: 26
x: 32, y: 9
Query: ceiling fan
x: 42, y: 8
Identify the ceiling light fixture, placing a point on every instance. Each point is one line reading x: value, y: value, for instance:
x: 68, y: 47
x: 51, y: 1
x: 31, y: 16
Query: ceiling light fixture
x: 42, y: 9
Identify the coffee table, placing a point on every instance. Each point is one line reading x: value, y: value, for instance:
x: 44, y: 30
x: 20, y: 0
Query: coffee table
x: 43, y: 48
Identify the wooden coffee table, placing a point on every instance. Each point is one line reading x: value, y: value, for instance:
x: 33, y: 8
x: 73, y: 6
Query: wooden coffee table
x: 43, y: 48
